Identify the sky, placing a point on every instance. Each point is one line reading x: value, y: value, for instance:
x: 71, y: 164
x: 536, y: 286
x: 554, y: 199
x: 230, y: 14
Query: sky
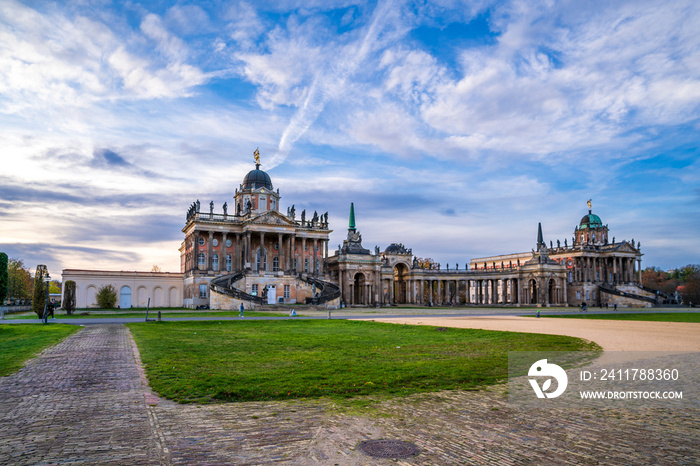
x: 454, y: 126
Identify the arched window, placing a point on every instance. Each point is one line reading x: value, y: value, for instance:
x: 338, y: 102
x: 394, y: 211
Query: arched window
x: 215, y: 262
x: 228, y: 262
x: 202, y: 261
x: 275, y: 264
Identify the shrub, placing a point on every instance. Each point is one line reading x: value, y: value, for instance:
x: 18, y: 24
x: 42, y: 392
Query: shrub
x: 69, y: 297
x: 106, y: 297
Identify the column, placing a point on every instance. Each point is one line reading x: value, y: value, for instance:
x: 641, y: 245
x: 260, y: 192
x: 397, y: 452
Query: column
x: 352, y: 293
x: 315, y: 261
x: 303, y: 255
x: 280, y: 249
x: 224, y: 251
x: 262, y: 252
x: 293, y: 255
x: 341, y: 282
x: 209, y: 251
x: 195, y: 236
x: 249, y: 248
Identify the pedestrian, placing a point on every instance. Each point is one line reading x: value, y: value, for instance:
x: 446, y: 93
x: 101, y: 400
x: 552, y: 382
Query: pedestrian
x: 241, y: 313
x: 538, y: 313
x: 615, y: 307
x: 583, y: 306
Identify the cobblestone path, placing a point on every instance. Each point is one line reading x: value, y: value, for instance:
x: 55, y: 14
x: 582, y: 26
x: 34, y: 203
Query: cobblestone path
x: 85, y: 401
x: 81, y: 401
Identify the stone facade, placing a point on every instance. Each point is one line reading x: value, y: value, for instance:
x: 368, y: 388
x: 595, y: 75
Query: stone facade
x: 133, y: 288
x: 267, y: 247
x: 257, y: 255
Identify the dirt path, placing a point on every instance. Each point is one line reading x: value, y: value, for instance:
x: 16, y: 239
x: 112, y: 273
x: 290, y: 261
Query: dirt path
x: 612, y: 335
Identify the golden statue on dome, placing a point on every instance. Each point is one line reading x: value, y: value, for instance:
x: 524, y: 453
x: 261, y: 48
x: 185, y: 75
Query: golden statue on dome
x: 256, y: 154
x: 589, y: 204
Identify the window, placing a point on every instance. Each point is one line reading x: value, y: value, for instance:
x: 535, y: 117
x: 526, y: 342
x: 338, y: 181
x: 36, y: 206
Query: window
x: 228, y: 262
x: 215, y: 242
x: 262, y: 203
x: 203, y: 291
x: 588, y: 295
x: 202, y: 261
x: 286, y: 291
x: 275, y: 264
x: 201, y: 241
x: 272, y: 204
x: 277, y: 246
x: 578, y: 295
x: 215, y: 262
x: 228, y: 243
x: 306, y: 265
x: 254, y: 291
x: 593, y: 295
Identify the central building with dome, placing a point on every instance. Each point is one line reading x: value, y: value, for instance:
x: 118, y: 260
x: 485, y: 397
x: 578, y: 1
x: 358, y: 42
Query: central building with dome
x: 254, y: 254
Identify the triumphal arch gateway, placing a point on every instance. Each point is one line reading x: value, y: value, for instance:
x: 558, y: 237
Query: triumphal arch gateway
x: 252, y: 253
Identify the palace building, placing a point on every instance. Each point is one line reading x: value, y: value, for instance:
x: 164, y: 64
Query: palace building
x: 258, y: 256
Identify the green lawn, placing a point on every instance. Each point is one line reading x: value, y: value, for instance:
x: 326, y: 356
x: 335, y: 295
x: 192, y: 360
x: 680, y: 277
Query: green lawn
x: 267, y: 360
x: 20, y: 342
x: 655, y: 317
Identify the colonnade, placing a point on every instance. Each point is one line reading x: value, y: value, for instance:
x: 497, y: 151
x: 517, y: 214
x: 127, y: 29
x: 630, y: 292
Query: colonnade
x: 611, y: 270
x: 445, y: 291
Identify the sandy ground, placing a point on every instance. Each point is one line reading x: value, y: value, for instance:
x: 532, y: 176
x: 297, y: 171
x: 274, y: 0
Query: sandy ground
x: 612, y: 335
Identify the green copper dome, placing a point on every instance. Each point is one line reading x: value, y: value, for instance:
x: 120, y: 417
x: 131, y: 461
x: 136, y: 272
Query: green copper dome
x: 590, y: 221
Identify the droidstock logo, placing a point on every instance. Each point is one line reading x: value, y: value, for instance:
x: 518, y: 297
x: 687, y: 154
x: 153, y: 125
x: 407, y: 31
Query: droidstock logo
x: 543, y: 369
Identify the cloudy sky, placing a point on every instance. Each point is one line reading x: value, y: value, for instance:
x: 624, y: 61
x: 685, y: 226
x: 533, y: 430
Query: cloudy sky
x: 454, y: 126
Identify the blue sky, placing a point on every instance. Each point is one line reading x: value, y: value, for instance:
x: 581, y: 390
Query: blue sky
x: 454, y: 126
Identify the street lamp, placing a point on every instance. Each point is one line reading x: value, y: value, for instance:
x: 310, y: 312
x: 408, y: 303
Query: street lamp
x: 47, y: 279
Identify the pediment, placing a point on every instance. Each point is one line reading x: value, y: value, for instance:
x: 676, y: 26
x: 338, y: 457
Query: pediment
x: 271, y: 218
x: 625, y: 247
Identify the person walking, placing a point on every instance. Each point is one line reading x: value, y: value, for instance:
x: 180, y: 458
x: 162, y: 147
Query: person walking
x: 241, y: 313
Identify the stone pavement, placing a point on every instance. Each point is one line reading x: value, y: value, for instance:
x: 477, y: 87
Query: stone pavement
x: 81, y: 401
x: 85, y: 401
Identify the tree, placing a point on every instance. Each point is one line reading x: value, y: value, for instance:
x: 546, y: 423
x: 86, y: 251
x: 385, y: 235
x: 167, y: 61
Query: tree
x: 40, y: 295
x: 690, y: 288
x: 20, y: 285
x: 106, y: 297
x: 69, y: 297
x: 155, y: 268
x: 4, y: 278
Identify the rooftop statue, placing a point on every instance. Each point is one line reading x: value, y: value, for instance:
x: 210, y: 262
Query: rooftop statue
x: 256, y: 155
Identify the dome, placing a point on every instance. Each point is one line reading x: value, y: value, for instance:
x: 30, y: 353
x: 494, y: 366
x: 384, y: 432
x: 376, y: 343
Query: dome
x: 591, y: 221
x: 257, y: 179
x: 395, y: 248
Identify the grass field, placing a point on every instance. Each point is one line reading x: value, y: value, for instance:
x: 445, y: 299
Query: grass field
x: 268, y: 360
x: 20, y: 342
x: 654, y: 317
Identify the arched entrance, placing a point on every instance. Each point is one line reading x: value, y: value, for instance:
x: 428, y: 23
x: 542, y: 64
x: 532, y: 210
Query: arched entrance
x: 358, y: 289
x: 125, y: 298
x: 552, y: 291
x: 532, y: 291
x: 400, y: 288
